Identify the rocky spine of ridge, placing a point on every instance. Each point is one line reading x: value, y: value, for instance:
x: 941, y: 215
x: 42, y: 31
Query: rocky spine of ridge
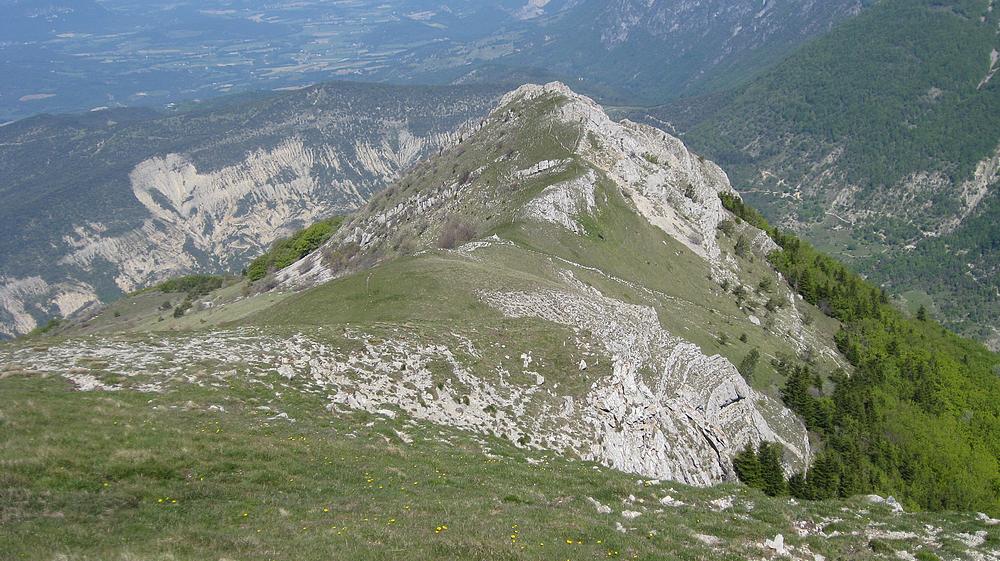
x: 673, y: 188
x: 688, y: 420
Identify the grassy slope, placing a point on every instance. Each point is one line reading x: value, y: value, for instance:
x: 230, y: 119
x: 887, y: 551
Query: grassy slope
x: 151, y: 310
x: 126, y: 475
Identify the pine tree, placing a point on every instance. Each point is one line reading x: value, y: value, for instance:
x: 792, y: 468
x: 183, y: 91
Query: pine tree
x: 742, y: 246
x: 798, y: 487
x: 806, y: 287
x: 749, y: 364
x: 824, y: 478
x: 769, y: 457
x: 747, y: 467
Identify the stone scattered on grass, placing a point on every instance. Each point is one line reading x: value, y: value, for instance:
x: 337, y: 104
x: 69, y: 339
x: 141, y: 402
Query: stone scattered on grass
x: 777, y: 544
x: 983, y: 517
x: 972, y: 540
x: 601, y: 509
x: 891, y: 502
x: 707, y: 540
x: 722, y: 503
x: 670, y: 501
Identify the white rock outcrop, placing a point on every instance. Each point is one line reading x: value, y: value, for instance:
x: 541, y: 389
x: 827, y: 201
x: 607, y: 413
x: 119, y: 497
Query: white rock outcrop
x: 673, y: 188
x: 777, y: 544
x: 684, y: 422
x: 22, y: 298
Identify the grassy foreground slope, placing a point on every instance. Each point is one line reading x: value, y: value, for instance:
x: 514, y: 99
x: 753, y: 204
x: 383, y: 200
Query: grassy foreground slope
x: 203, y: 472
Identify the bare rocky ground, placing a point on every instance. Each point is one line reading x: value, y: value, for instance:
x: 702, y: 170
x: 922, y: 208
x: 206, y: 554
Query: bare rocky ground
x: 682, y: 421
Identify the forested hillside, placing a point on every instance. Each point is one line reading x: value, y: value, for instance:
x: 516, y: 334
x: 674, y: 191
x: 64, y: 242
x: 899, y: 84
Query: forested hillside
x: 919, y: 417
x: 879, y: 142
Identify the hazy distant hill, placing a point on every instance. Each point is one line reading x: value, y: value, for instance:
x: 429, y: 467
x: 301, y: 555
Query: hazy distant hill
x: 71, y: 55
x: 634, y: 52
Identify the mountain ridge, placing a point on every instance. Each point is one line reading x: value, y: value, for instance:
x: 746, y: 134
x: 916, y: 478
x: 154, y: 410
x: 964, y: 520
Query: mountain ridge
x: 566, y: 160
x: 538, y: 300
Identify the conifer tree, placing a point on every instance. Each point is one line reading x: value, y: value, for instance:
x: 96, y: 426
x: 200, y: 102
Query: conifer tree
x: 747, y: 468
x: 749, y: 364
x: 769, y: 457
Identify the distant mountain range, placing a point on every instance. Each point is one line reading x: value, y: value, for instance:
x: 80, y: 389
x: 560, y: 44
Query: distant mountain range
x: 880, y: 146
x: 641, y: 52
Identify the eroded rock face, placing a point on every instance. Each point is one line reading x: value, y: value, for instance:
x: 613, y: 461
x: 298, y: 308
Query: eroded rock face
x: 227, y: 214
x: 668, y: 411
x: 15, y: 293
x: 212, y: 202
